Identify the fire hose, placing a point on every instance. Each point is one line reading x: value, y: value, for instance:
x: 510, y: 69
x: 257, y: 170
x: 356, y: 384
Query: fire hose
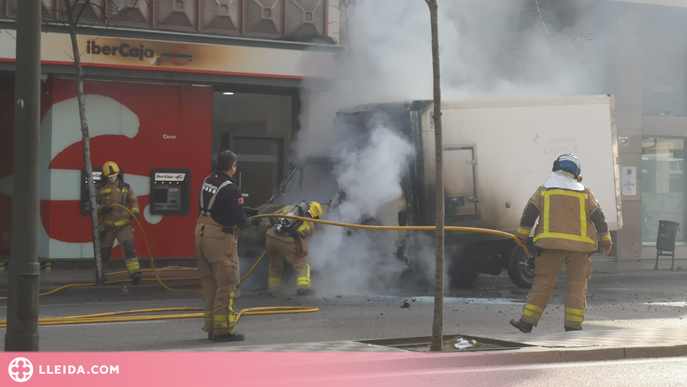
x: 116, y: 316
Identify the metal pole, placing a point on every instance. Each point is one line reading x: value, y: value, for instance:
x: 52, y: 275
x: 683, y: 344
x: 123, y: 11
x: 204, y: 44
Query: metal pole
x: 24, y: 270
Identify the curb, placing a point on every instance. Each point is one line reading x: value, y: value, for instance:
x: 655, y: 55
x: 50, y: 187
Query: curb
x: 539, y: 355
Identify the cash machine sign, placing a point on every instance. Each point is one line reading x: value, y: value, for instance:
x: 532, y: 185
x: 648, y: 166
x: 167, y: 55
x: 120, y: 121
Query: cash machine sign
x: 170, y: 176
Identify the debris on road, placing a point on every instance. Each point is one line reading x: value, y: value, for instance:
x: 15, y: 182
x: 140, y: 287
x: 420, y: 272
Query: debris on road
x: 405, y: 304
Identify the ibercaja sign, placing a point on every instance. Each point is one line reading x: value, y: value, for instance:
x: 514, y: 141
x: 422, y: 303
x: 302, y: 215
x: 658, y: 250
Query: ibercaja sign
x: 124, y: 50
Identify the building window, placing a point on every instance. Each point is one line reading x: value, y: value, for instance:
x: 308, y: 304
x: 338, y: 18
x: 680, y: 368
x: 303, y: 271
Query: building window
x: 664, y: 187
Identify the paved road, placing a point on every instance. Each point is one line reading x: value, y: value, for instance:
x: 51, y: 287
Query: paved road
x: 637, y: 373
x: 640, y: 299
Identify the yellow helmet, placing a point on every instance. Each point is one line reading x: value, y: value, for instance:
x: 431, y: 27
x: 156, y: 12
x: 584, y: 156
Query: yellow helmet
x: 110, y: 168
x: 315, y: 210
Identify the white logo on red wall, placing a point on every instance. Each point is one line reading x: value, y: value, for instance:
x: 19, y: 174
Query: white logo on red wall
x: 169, y: 137
x: 20, y: 370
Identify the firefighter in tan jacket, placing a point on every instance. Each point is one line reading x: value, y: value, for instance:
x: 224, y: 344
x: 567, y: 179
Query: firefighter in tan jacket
x: 117, y: 221
x: 571, y: 223
x: 286, y: 242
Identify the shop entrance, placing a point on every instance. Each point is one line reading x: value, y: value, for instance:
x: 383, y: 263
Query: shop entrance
x: 260, y: 166
x: 259, y: 129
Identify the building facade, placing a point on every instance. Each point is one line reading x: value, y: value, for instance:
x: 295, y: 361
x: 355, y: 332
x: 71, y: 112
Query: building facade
x: 169, y: 83
x: 652, y: 122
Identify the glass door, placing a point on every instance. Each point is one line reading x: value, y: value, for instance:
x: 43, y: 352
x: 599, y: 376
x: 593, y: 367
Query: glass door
x: 260, y: 166
x: 664, y: 186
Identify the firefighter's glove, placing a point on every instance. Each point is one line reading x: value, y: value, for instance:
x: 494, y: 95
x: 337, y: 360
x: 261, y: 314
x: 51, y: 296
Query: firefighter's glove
x: 106, y: 210
x: 255, y: 222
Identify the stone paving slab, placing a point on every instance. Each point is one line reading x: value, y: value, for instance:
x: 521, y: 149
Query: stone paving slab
x: 594, y: 338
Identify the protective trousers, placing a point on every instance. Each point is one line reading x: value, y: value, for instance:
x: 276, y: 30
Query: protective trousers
x: 279, y: 251
x: 218, y: 263
x: 547, y: 266
x: 125, y: 237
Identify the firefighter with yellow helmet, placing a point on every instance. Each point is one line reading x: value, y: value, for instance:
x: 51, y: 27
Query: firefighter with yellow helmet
x: 116, y: 222
x: 286, y: 242
x: 571, y: 222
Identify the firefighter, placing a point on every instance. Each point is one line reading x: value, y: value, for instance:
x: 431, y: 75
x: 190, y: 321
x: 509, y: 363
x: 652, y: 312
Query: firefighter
x: 286, y: 242
x: 571, y: 222
x: 221, y: 214
x: 117, y: 221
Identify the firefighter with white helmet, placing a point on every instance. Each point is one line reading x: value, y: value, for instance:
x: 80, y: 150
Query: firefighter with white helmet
x: 116, y: 221
x: 571, y: 222
x: 286, y: 242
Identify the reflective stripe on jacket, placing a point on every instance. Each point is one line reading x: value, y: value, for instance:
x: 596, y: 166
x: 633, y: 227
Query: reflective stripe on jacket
x: 565, y: 220
x: 120, y: 193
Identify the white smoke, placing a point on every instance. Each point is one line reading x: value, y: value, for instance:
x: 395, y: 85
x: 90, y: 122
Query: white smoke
x: 489, y: 48
x: 371, y: 178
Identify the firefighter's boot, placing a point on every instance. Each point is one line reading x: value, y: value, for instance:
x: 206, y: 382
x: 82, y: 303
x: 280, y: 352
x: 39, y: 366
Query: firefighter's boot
x: 522, y: 326
x: 136, y: 278
x: 304, y: 292
x: 567, y: 329
x: 227, y: 337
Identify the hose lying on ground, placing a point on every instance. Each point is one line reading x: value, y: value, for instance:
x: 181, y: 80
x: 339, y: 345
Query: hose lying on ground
x: 114, y: 316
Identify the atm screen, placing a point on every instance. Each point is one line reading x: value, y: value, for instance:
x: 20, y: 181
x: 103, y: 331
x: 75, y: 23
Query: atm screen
x: 161, y: 196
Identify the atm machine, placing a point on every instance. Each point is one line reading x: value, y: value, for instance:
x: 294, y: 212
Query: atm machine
x: 170, y: 191
x: 85, y: 199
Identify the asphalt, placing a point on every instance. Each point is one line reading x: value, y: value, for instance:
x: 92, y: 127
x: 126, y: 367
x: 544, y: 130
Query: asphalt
x: 641, y: 299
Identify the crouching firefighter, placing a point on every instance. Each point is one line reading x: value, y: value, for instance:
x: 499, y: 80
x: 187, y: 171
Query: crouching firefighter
x: 117, y: 221
x: 571, y: 222
x: 286, y: 242
x: 221, y: 214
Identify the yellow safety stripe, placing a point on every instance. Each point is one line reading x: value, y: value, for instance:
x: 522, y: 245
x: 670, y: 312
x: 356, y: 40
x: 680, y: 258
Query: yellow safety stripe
x: 578, y: 312
x: 606, y: 237
x: 303, y: 281
x: 106, y: 191
x: 308, y: 272
x: 117, y: 224
x: 123, y: 191
x: 274, y: 283
x: 135, y: 210
x: 565, y: 193
x: 133, y: 266
x: 534, y: 308
x: 524, y: 231
x: 208, y: 318
x: 232, y: 316
x: 574, y: 318
x: 303, y: 227
x: 220, y: 322
x: 565, y: 236
x: 529, y: 313
x: 583, y: 217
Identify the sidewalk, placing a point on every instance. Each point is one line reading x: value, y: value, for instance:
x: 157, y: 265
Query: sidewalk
x: 611, y: 265
x: 533, y: 348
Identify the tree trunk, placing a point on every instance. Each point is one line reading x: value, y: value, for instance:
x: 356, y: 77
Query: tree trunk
x: 72, y: 20
x: 437, y: 326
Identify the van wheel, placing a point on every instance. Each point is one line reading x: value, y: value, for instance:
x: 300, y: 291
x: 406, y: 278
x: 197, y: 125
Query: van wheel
x: 521, y: 270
